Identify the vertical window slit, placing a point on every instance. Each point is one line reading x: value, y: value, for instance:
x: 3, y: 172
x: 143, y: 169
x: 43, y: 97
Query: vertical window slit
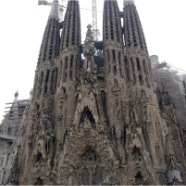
x: 119, y: 58
x: 108, y: 54
x: 138, y: 64
x: 114, y: 55
x: 71, y: 61
x: 115, y: 71
x: 71, y: 75
x: 144, y: 65
x: 66, y: 62
x: 126, y: 68
x: 46, y: 81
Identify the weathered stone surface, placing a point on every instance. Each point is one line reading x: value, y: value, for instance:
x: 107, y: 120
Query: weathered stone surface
x: 84, y: 128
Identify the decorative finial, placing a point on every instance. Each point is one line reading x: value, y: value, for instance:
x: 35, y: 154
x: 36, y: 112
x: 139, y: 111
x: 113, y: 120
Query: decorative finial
x: 16, y: 95
x: 54, y: 13
x: 89, y: 26
x: 127, y: 2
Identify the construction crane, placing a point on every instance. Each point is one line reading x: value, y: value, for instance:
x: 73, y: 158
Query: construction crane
x: 94, y: 20
x: 61, y: 7
x: 94, y: 14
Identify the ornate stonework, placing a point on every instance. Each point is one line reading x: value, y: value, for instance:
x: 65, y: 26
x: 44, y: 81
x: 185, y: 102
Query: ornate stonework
x: 93, y: 123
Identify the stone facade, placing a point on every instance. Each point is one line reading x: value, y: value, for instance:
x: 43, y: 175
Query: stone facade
x: 97, y: 121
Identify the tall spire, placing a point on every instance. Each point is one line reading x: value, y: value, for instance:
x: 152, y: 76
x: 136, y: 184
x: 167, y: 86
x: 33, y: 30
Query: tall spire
x: 112, y: 25
x: 51, y: 39
x: 133, y: 31
x: 112, y: 38
x: 71, y: 35
x: 70, y: 42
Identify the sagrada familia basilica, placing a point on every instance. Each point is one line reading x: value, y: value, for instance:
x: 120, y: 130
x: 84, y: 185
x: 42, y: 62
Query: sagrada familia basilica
x: 95, y: 118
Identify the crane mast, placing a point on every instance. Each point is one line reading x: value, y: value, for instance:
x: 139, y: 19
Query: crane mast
x: 94, y: 19
x: 61, y: 10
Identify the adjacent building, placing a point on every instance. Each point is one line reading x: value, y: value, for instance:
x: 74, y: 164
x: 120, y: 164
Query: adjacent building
x: 10, y: 128
x: 169, y: 80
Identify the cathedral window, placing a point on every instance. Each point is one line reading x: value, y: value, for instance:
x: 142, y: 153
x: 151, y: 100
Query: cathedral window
x: 39, y: 156
x: 71, y: 61
x: 136, y: 156
x: 73, y: 40
x: 139, y: 179
x: 138, y: 64
x: 115, y: 71
x: 97, y: 179
x: 87, y: 115
x: 113, y: 55
x: 107, y: 35
x: 144, y: 66
x: 132, y: 64
x: 71, y: 75
x: 108, y: 54
x: 117, y: 36
x: 112, y: 35
x: 126, y: 68
x: 135, y: 44
x: 120, y: 72
x: 109, y: 70
x: 1, y: 161
x: 119, y: 58
x: 140, y: 79
x: 41, y: 80
x: 61, y: 66
x: 157, y: 147
x: 66, y: 62
x: 85, y: 177
x: 46, y: 81
x: 78, y: 62
x: 39, y: 182
x: 65, y: 77
x: 146, y: 72
x: 54, y: 80
x: 89, y: 156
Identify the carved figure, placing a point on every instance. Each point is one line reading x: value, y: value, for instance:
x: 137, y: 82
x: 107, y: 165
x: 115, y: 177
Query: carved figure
x: 100, y: 127
x: 40, y: 151
x: 116, y: 87
x: 133, y: 121
x: 118, y: 110
x: 171, y: 154
x: 89, y: 50
x: 35, y: 110
x: 86, y: 125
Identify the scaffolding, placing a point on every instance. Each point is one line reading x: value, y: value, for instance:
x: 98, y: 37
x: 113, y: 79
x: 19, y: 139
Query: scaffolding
x: 13, y: 116
x: 170, y: 79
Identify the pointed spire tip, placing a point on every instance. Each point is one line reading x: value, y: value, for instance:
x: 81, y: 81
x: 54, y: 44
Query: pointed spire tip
x: 54, y: 13
x: 127, y: 2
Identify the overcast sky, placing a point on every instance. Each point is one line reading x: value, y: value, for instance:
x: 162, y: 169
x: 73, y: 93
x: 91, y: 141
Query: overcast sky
x: 23, y: 23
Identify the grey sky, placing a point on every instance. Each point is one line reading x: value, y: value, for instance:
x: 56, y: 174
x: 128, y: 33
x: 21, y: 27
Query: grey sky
x: 23, y: 23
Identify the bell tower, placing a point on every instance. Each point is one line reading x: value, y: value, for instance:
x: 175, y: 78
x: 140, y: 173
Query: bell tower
x: 146, y: 127
x: 69, y: 61
x: 115, y: 76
